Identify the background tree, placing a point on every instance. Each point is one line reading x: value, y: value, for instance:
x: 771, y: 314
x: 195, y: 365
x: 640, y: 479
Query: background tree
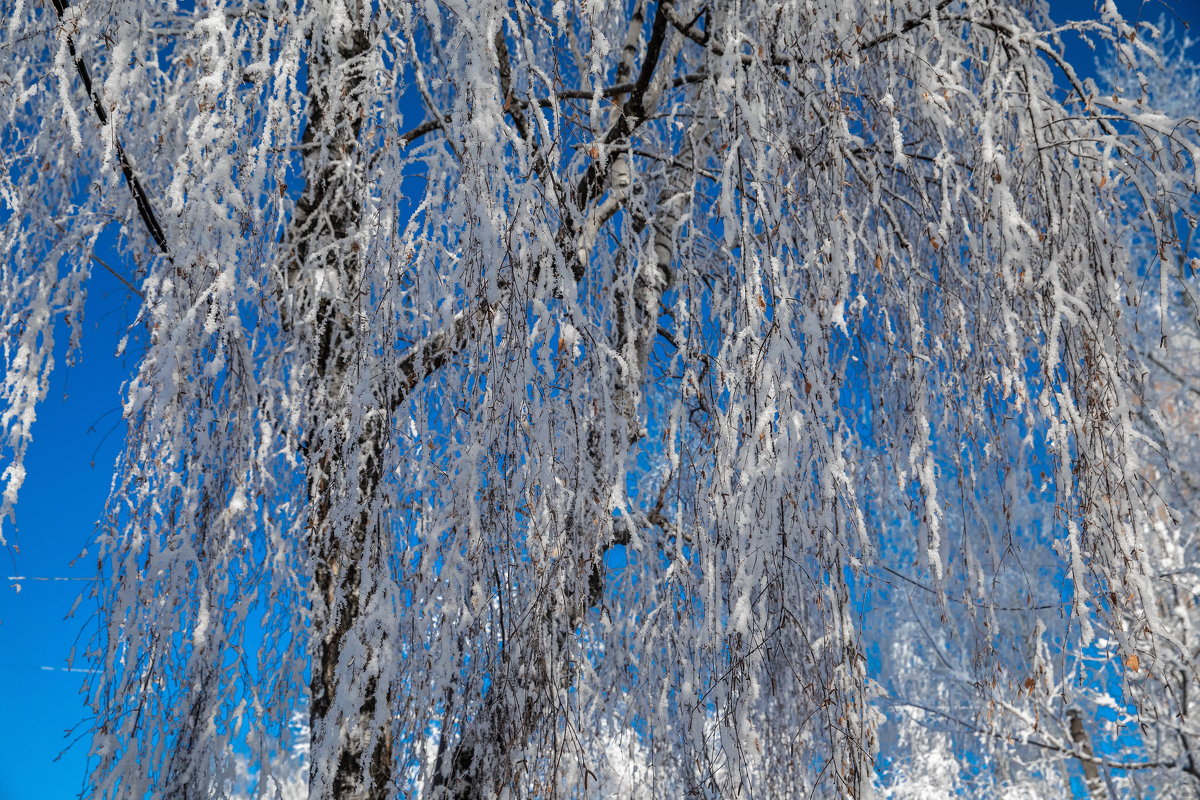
x: 521, y: 379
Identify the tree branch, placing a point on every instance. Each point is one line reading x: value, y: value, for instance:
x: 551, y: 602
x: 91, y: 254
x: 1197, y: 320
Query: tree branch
x: 511, y: 104
x: 688, y: 29
x: 909, y: 25
x: 431, y: 354
x: 634, y: 108
x: 1045, y: 745
x: 140, y: 198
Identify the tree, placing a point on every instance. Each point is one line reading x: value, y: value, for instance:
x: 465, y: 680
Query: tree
x: 1115, y: 717
x: 528, y: 383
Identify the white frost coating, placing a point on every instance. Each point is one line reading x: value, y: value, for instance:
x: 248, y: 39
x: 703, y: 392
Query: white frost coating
x: 569, y: 338
x: 898, y: 157
x: 203, y: 620
x: 13, y: 478
x: 237, y: 503
x: 64, y: 73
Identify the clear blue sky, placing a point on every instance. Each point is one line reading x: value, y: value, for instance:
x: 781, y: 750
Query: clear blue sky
x: 76, y: 440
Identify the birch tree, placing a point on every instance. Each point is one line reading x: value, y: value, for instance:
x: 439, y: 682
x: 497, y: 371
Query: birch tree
x: 1103, y: 719
x: 528, y: 389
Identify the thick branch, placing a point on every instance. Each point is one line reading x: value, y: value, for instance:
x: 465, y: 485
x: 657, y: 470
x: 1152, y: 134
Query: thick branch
x: 1091, y: 772
x: 688, y: 29
x: 428, y: 356
x: 632, y: 114
x: 634, y: 106
x: 511, y: 104
x: 351, y: 755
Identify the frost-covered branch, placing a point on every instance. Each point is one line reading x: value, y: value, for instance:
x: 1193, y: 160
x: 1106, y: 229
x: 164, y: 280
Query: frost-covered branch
x: 140, y: 199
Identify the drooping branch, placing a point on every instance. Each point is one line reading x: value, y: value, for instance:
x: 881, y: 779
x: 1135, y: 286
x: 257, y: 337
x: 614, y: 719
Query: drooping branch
x: 140, y: 199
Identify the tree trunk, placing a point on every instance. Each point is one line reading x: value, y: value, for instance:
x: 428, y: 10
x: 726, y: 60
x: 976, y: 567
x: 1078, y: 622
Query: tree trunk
x: 351, y: 752
x: 1091, y: 770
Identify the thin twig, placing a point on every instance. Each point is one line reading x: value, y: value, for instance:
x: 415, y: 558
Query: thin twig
x: 117, y: 275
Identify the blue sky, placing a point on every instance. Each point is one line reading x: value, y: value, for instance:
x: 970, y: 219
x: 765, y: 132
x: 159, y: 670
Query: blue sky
x: 76, y: 440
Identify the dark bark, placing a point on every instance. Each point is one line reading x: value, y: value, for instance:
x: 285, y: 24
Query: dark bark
x: 326, y: 219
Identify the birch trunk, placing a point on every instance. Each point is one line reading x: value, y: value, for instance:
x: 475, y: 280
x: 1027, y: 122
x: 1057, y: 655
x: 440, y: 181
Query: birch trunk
x: 351, y: 754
